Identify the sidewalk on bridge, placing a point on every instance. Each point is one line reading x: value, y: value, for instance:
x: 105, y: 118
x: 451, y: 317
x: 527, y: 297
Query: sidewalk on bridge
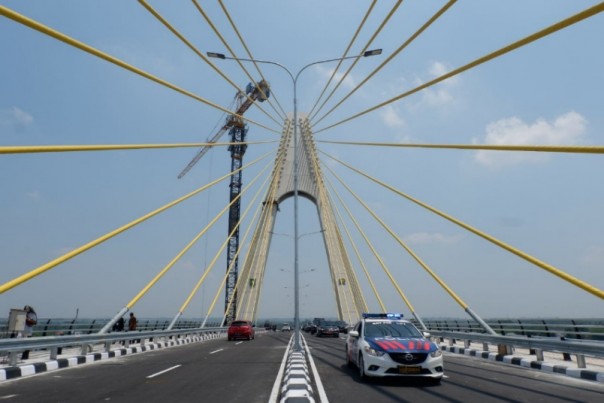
x: 39, y: 361
x: 552, y: 362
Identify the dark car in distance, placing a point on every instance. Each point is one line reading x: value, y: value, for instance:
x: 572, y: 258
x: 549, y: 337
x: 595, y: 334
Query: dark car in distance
x: 241, y: 329
x: 326, y: 328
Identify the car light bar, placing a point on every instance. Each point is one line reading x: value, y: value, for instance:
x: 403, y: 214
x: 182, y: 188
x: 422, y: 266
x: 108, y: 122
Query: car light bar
x: 382, y: 315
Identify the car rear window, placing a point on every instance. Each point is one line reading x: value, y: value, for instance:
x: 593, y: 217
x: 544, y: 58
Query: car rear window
x: 240, y: 323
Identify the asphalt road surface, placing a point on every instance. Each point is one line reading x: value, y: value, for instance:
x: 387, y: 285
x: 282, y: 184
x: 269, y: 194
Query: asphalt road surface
x: 245, y: 371
x: 468, y: 379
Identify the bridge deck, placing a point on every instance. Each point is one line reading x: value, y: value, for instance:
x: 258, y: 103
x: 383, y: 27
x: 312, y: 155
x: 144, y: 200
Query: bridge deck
x: 551, y: 359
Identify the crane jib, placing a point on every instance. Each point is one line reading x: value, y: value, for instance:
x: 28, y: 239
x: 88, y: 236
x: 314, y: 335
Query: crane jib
x: 259, y: 92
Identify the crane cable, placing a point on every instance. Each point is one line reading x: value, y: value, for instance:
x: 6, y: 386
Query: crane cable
x: 35, y: 25
x: 506, y: 49
x: 547, y: 267
x: 413, y: 37
x: 159, y: 17
x: 335, y: 70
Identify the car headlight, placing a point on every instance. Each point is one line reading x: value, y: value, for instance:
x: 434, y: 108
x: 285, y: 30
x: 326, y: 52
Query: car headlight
x: 436, y: 353
x: 373, y: 351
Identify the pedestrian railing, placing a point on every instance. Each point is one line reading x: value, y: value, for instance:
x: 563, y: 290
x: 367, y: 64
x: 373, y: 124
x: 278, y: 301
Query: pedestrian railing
x: 12, y: 347
x: 581, y: 337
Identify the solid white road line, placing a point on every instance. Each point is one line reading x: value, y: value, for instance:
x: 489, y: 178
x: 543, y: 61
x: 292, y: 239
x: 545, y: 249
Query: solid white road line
x: 164, y: 371
x: 216, y: 351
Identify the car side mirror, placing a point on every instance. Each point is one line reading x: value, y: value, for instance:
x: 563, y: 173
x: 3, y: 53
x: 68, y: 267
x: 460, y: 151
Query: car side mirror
x: 427, y: 335
x: 353, y: 333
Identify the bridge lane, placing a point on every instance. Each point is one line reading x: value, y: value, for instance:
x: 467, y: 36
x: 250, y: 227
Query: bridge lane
x: 212, y: 371
x: 468, y: 380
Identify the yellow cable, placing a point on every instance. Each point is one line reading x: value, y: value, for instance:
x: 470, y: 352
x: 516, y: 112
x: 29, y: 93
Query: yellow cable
x: 551, y: 269
x: 354, y: 63
x: 395, y: 53
x: 540, y: 148
x: 335, y: 70
x: 225, y: 243
x: 189, y: 246
x: 400, y: 241
x: 111, y: 59
x: 225, y: 43
x: 361, y: 261
x: 203, y: 57
x: 110, y: 147
x: 525, y: 41
x: 375, y: 253
x: 45, y: 267
x: 230, y: 268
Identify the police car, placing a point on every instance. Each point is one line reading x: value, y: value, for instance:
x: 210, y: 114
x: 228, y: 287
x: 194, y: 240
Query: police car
x: 385, y: 345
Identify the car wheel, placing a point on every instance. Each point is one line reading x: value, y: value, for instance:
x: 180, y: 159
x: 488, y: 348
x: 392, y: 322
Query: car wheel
x: 249, y: 337
x: 436, y: 381
x: 229, y: 338
x: 362, y: 373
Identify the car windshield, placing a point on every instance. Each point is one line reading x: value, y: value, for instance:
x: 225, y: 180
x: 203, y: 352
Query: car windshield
x: 328, y: 324
x: 239, y: 323
x: 393, y: 329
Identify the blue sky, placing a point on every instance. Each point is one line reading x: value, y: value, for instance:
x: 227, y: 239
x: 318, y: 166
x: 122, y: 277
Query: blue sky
x: 548, y: 205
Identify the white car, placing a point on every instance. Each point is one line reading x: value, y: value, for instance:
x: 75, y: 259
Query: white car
x: 286, y: 327
x: 385, y: 345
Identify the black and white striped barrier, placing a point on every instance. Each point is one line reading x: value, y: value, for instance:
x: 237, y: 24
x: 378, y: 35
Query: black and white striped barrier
x: 60, y: 363
x: 296, y: 385
x: 529, y: 363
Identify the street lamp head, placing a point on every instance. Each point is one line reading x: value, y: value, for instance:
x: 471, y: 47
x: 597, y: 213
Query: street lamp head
x: 219, y: 55
x: 373, y: 52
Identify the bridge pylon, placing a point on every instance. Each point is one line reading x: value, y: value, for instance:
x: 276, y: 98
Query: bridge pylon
x: 349, y: 299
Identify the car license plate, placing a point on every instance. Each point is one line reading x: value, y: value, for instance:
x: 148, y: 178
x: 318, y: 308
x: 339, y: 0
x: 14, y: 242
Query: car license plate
x: 409, y: 370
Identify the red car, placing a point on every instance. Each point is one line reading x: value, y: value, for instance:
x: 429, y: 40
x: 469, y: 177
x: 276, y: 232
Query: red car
x: 241, y: 329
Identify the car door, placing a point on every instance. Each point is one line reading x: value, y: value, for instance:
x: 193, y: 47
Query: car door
x: 355, y: 343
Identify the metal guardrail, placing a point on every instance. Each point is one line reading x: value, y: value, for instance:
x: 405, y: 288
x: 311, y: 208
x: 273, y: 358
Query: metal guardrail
x: 54, y: 327
x: 582, y: 329
x: 566, y: 336
x: 13, y: 346
x: 594, y: 348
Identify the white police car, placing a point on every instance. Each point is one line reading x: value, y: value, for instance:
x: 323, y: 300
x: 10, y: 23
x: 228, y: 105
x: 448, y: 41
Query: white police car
x: 384, y: 345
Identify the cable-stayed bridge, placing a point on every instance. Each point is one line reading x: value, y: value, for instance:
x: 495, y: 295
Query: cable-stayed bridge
x: 370, y: 251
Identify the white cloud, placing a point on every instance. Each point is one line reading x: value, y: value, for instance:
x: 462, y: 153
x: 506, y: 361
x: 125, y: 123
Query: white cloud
x: 566, y: 129
x: 425, y: 238
x: 440, y: 94
x: 348, y: 82
x: 16, y: 119
x: 392, y: 117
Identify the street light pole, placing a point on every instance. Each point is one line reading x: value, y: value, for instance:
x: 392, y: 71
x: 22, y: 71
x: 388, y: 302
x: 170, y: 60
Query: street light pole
x: 297, y: 346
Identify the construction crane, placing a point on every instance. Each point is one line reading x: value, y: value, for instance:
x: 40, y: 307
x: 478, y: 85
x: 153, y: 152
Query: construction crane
x: 238, y: 131
x: 259, y: 93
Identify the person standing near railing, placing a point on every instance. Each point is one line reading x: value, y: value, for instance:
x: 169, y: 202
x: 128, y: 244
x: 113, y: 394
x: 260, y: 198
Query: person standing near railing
x: 31, y: 319
x: 132, y: 322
